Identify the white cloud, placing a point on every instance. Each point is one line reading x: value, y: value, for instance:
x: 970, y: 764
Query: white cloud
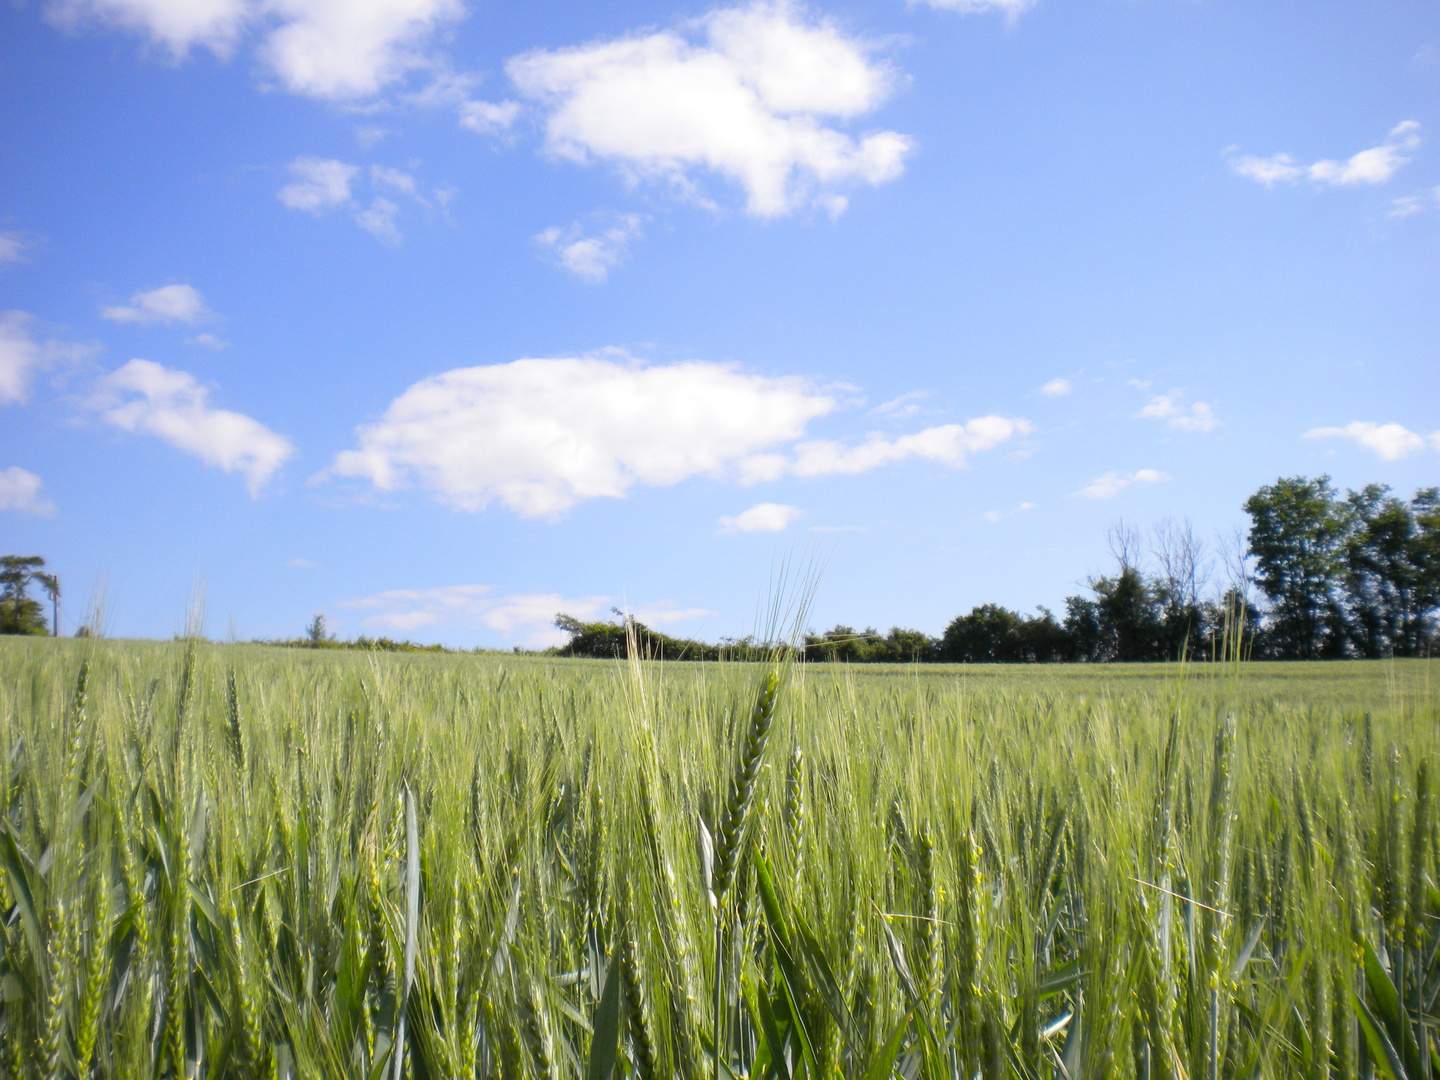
x: 1373, y: 166
x: 334, y: 49
x: 994, y: 517
x: 144, y: 397
x: 167, y: 304
x: 1112, y: 483
x: 320, y: 184
x: 763, y: 517
x: 395, y: 179
x: 176, y: 25
x: 12, y: 247
x: 948, y: 444
x: 352, y: 48
x: 1057, y: 388
x: 592, y: 257
x: 378, y: 219
x: 19, y: 355
x: 1168, y: 407
x: 541, y: 435
x: 209, y: 341
x: 1389, y: 442
x: 748, y: 102
x: 488, y: 117
x: 20, y: 492
x: 1011, y: 9
x: 528, y: 616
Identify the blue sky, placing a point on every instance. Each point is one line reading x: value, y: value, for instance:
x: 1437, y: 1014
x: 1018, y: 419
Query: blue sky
x: 439, y: 317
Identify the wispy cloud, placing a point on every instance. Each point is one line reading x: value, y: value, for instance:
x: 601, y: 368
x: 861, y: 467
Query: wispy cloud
x: 1112, y: 483
x: 1198, y: 417
x: 1373, y: 166
x: 21, y: 355
x: 763, y: 517
x: 592, y: 254
x: 378, y: 219
x: 994, y: 517
x: 903, y: 407
x: 1057, y: 388
x: 1011, y: 9
x: 1389, y: 442
x: 20, y: 493
x: 149, y: 399
x: 12, y: 247
x: 749, y: 93
x: 320, y: 184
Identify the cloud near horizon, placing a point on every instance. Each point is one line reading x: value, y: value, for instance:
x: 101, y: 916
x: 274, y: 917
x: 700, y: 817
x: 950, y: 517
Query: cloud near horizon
x: 528, y: 616
x: 1389, y: 442
x: 747, y: 93
x: 144, y: 397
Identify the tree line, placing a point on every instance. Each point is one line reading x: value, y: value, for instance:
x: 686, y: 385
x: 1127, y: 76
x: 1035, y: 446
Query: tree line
x: 1319, y: 575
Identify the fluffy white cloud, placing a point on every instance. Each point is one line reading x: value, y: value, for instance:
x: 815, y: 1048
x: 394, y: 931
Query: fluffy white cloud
x: 352, y: 48
x: 948, y: 444
x: 19, y: 356
x: 1373, y: 166
x: 541, y: 435
x: 1011, y: 9
x: 167, y: 304
x: 749, y: 100
x: 12, y: 247
x: 1057, y: 388
x: 528, y: 616
x: 144, y: 397
x: 319, y: 184
x: 592, y: 257
x: 1168, y: 407
x: 1112, y: 483
x: 20, y: 492
x: 763, y: 517
x: 1389, y: 442
x: 176, y: 25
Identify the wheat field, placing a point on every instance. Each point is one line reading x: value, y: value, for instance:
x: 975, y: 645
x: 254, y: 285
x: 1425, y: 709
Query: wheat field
x: 238, y: 861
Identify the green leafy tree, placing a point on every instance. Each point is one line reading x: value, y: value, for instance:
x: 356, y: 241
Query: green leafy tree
x: 19, y: 612
x: 1297, y: 535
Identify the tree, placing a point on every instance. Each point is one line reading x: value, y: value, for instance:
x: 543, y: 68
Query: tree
x: 317, y: 634
x: 19, y: 613
x: 1297, y: 534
